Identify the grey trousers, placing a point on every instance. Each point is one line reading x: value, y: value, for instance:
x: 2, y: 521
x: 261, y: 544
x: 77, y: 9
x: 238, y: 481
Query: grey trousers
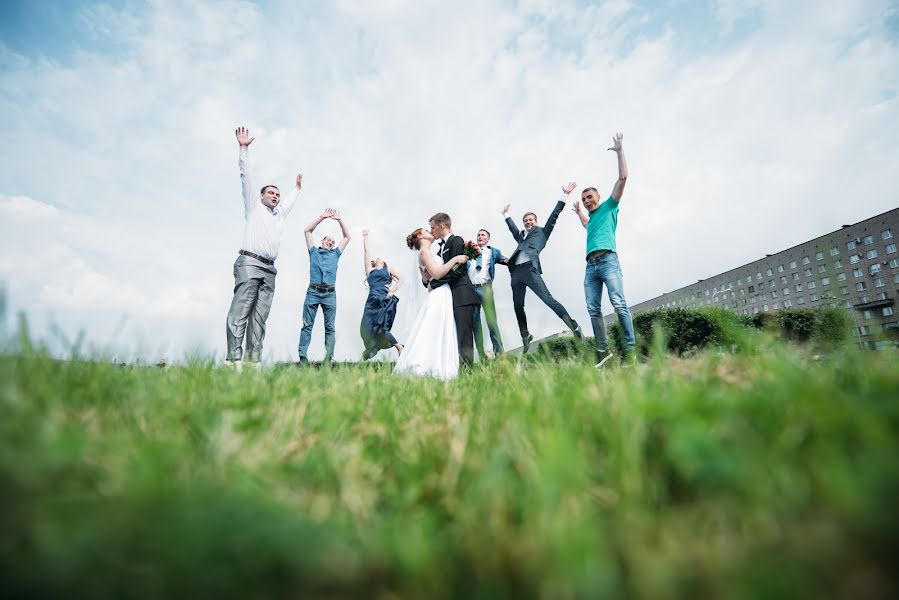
x: 254, y: 288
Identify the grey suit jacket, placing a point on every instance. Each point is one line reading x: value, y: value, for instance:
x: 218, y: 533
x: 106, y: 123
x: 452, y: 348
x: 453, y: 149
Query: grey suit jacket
x: 536, y: 238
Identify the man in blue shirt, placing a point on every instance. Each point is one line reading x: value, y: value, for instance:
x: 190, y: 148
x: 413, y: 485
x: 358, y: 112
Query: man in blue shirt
x: 481, y: 272
x: 322, y: 278
x: 603, y: 268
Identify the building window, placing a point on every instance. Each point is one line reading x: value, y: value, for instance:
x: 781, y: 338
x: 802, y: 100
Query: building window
x: 825, y: 281
x: 891, y: 249
x: 774, y: 293
x: 765, y: 307
x: 800, y: 300
x: 787, y: 303
x: 819, y: 256
x: 844, y: 290
x: 811, y: 285
x: 850, y: 245
x: 867, y: 314
x: 761, y: 285
x: 878, y: 282
x: 838, y: 264
x: 792, y: 264
x: 742, y: 301
x: 795, y: 276
x: 808, y: 272
x: 894, y: 263
x: 751, y: 288
x: 758, y: 276
x: 875, y: 268
x: 841, y: 277
x: 740, y: 281
x: 886, y: 234
x: 860, y: 286
x: 786, y: 291
x: 742, y: 292
x: 869, y: 239
x: 872, y: 254
x: 882, y: 296
x: 813, y: 298
x: 780, y: 268
x: 887, y: 311
x: 798, y: 287
x: 770, y: 272
x: 783, y: 279
x: 857, y: 273
x: 847, y: 303
x: 896, y: 278
x: 834, y: 251
x: 854, y: 258
x: 822, y: 268
x: 776, y: 305
x: 806, y: 260
x: 864, y: 330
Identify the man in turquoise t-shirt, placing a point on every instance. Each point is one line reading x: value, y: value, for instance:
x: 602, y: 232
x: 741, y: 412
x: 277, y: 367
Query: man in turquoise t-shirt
x: 603, y: 268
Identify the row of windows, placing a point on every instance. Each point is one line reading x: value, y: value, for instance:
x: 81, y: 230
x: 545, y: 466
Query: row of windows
x: 868, y: 239
x: 886, y: 311
x: 860, y: 286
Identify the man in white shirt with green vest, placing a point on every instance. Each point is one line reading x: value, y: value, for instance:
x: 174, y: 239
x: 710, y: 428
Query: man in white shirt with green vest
x: 603, y: 268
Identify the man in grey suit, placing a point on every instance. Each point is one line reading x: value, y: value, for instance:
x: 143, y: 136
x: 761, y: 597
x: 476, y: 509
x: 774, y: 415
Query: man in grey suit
x: 525, y: 269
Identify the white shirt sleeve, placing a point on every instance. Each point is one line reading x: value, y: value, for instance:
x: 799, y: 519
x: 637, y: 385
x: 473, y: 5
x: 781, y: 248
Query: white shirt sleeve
x: 246, y: 181
x: 288, y: 203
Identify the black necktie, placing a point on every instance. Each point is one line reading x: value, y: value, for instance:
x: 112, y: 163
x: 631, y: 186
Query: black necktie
x: 441, y: 244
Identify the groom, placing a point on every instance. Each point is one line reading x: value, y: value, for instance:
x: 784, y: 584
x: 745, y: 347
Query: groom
x: 464, y: 295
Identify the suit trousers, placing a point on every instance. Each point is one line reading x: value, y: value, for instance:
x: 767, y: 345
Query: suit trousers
x: 254, y: 289
x: 464, y: 333
x: 526, y: 276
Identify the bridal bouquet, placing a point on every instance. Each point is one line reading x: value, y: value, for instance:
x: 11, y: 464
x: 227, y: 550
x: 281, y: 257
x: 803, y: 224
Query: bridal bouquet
x: 471, y: 251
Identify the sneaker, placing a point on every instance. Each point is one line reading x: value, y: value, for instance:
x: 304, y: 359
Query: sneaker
x: 526, y: 343
x: 628, y: 359
x: 579, y: 333
x: 602, y: 357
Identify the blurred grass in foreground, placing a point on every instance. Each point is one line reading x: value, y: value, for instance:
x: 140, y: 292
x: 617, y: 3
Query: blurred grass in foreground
x: 763, y: 474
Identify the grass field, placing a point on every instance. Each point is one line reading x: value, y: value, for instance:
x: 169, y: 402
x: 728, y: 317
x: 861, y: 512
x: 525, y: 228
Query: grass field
x: 767, y: 474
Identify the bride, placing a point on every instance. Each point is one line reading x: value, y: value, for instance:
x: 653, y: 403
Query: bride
x: 431, y: 347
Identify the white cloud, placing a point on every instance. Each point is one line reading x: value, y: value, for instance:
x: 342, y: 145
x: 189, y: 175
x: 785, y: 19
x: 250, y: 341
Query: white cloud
x: 120, y: 181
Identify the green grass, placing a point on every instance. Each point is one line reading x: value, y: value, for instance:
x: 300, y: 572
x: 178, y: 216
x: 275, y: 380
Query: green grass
x: 765, y: 474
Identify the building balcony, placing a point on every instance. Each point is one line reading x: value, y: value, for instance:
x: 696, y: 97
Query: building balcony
x: 874, y: 304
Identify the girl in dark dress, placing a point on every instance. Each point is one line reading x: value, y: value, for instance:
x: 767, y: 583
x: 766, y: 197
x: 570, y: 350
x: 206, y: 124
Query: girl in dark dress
x: 380, y: 306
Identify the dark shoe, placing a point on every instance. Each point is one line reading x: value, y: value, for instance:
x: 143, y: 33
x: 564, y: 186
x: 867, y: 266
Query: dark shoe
x: 526, y: 343
x: 602, y: 357
x: 628, y: 359
x: 578, y: 332
x: 303, y: 362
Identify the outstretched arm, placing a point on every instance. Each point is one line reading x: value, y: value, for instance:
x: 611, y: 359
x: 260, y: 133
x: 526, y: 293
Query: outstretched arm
x: 510, y: 223
x: 343, y: 229
x: 618, y: 149
x: 395, y: 285
x: 290, y: 201
x: 439, y: 271
x: 312, y: 225
x: 366, y: 258
x: 244, y: 139
x: 581, y: 213
x: 554, y: 215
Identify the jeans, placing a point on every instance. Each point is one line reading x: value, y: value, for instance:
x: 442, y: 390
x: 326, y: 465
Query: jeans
x: 606, y: 270
x: 525, y: 276
x: 486, y: 293
x: 328, y: 302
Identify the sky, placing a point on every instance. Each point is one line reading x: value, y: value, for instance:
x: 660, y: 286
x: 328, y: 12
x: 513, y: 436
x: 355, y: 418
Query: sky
x: 749, y: 126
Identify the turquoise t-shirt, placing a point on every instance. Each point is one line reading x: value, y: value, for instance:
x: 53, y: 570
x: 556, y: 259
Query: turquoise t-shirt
x: 601, y: 226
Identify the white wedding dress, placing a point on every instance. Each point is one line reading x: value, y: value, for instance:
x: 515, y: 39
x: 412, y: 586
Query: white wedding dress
x: 431, y: 348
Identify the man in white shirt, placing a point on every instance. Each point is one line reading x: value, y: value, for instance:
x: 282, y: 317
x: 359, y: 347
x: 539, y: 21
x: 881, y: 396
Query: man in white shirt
x: 481, y: 272
x: 254, y: 269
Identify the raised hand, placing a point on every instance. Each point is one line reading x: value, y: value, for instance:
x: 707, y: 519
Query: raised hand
x: 616, y: 142
x: 243, y: 137
x: 506, y: 209
x: 299, y: 179
x: 576, y: 207
x: 365, y: 233
x: 567, y: 189
x: 326, y: 214
x: 335, y: 215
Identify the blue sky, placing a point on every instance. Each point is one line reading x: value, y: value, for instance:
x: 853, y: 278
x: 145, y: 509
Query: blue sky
x: 750, y: 125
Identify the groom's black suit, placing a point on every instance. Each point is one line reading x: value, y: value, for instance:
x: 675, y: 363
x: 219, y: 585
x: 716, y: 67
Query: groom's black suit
x: 464, y: 297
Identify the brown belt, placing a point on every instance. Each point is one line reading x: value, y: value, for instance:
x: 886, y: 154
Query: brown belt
x: 257, y: 257
x: 596, y: 254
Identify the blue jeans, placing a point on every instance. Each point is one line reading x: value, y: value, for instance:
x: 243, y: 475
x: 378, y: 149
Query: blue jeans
x: 328, y: 302
x: 606, y: 270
